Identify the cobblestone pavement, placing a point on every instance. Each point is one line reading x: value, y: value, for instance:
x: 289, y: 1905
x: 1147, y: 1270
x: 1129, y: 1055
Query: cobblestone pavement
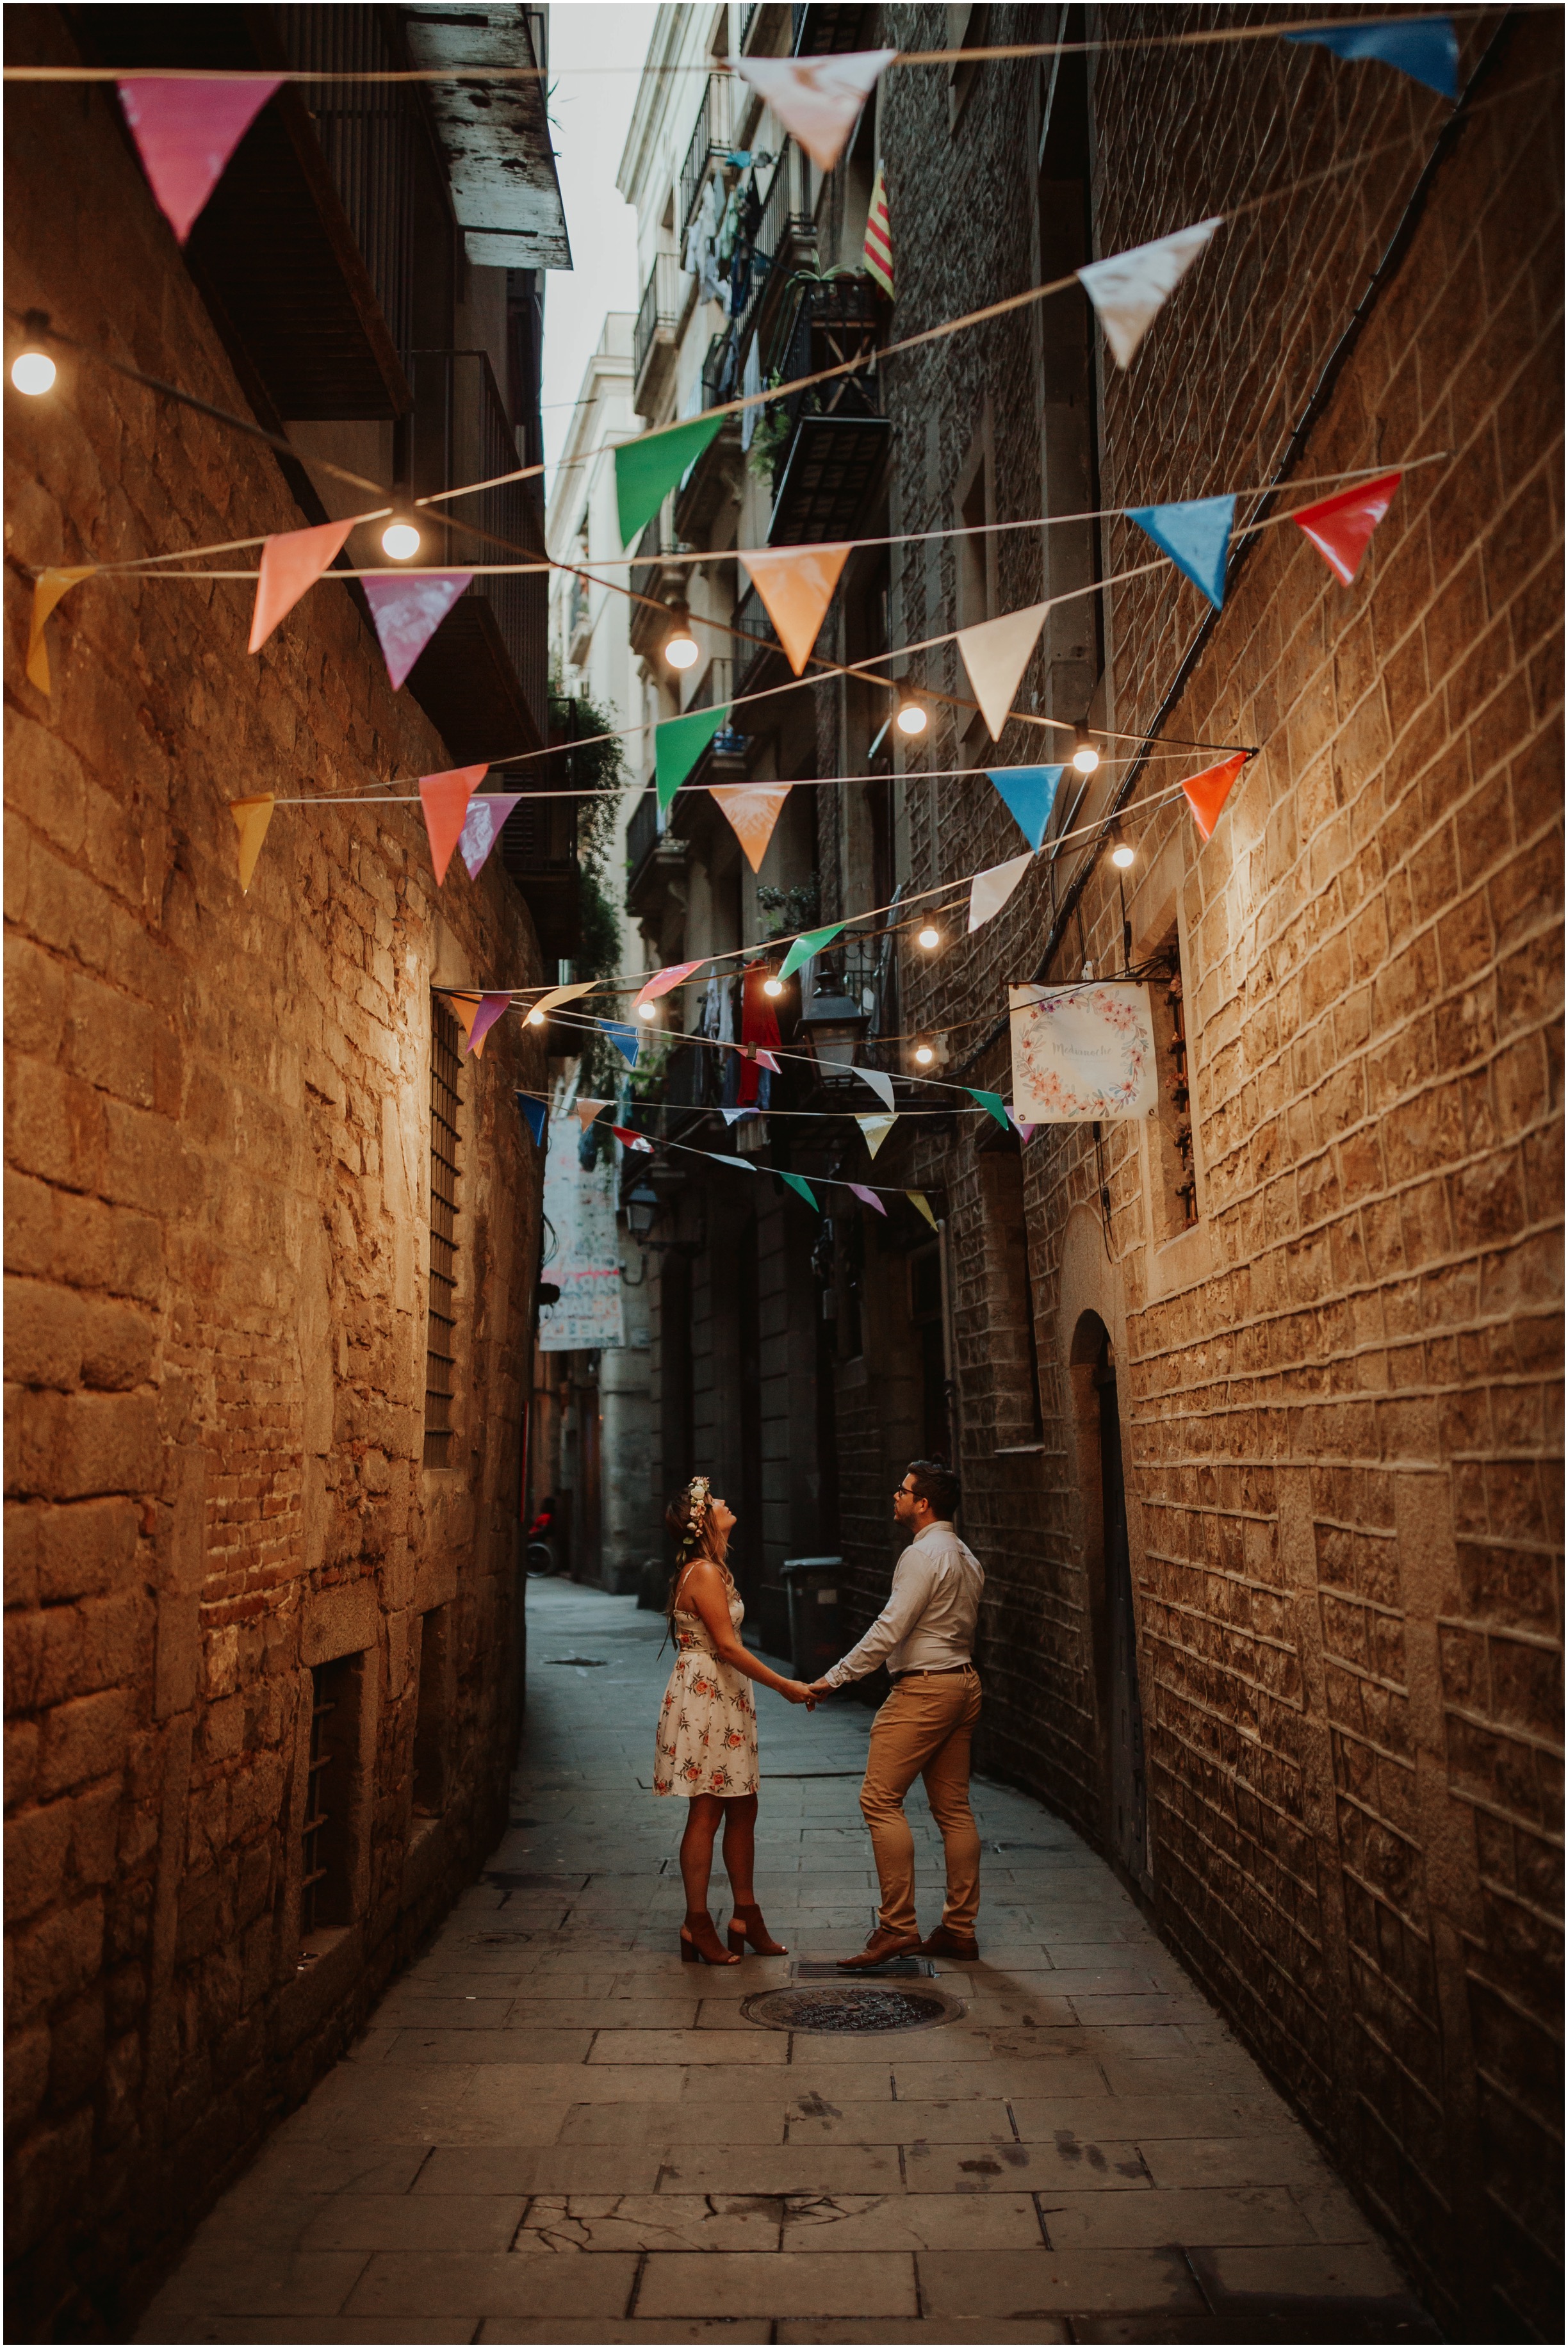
x: 555, y: 2130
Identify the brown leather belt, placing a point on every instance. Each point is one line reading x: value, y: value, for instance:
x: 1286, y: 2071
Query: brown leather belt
x: 929, y: 1672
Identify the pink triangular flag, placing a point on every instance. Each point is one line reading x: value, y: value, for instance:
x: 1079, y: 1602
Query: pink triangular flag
x: 408, y: 612
x: 1025, y: 1132
x: 491, y: 1008
x: 185, y: 132
x: 663, y: 981
x: 292, y: 560
x: 587, y: 1110
x: 1128, y: 289
x: 989, y: 891
x: 796, y: 584
x: 766, y: 1060
x: 752, y: 810
x: 818, y: 99
x: 481, y: 827
x: 445, y: 799
x: 1207, y: 793
x: 870, y: 1196
x: 1341, y: 527
x: 995, y: 653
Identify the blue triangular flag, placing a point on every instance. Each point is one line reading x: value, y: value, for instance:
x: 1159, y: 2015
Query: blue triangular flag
x: 535, y: 1115
x: 1197, y: 538
x: 625, y: 1039
x: 1422, y: 46
x: 1030, y: 793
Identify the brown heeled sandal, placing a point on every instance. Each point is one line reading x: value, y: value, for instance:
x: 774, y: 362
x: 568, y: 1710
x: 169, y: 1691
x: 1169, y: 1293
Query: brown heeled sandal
x: 700, y: 1943
x: 748, y: 1925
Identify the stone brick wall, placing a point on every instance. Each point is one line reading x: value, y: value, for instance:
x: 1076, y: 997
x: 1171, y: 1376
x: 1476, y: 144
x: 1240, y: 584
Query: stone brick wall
x: 217, y: 1177
x: 1338, y: 1393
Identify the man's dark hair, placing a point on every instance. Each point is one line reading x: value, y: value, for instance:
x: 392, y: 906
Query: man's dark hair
x: 935, y: 1482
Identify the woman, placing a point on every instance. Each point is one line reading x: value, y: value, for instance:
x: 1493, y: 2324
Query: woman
x: 705, y: 1744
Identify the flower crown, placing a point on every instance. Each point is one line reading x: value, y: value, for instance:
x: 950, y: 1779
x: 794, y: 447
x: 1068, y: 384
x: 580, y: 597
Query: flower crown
x: 697, y: 1495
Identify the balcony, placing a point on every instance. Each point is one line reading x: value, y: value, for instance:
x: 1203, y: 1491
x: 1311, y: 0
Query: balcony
x: 782, y: 240
x: 830, y: 28
x: 655, y: 860
x: 538, y: 849
x: 837, y: 435
x: 760, y: 664
x: 711, y: 141
x: 713, y: 480
x: 656, y: 582
x: 654, y: 338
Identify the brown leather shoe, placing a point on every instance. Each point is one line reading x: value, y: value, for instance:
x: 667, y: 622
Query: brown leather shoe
x: 960, y: 1948
x: 882, y: 1945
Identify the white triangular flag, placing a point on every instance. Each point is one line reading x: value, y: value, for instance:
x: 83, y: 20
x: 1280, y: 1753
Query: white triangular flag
x: 876, y: 1130
x: 818, y: 99
x: 881, y: 1085
x: 989, y: 891
x: 1128, y: 289
x: 995, y: 653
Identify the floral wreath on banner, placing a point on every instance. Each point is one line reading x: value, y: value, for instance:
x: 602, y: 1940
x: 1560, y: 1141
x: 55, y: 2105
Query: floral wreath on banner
x: 1120, y: 1017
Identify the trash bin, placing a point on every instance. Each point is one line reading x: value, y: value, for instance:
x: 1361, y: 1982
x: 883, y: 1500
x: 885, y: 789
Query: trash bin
x: 812, y: 1584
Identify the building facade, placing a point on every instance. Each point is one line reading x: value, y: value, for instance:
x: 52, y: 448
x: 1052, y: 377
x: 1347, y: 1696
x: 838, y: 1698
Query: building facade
x: 272, y: 1236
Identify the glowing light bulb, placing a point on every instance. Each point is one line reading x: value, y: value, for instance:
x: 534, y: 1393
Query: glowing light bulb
x: 34, y: 373
x: 400, y: 539
x: 1085, y: 757
x: 912, y: 718
x: 645, y: 1011
x: 536, y: 1017
x: 774, y: 986
x: 924, y: 1055
x: 1122, y: 856
x: 930, y: 938
x: 682, y: 650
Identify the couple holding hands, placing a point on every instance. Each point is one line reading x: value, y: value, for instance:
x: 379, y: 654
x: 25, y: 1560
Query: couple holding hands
x: 706, y: 1737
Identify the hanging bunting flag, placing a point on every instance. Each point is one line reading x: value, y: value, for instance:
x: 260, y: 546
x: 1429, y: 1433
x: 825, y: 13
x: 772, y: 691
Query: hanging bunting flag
x: 559, y: 994
x: 876, y: 259
x: 876, y: 1130
x: 663, y: 981
x: 185, y: 132
x: 1025, y: 1132
x: 679, y: 743
x: 818, y: 99
x: 47, y: 589
x: 1422, y: 46
x: 292, y: 560
x: 992, y: 1104
x: 796, y: 584
x: 868, y: 1197
x: 722, y: 1157
x: 1206, y: 793
x: 880, y: 1084
x: 989, y: 891
x: 406, y: 613
x: 535, y: 1115
x: 587, y: 1110
x: 918, y: 1199
x: 796, y: 1183
x: 995, y: 653
x: 734, y: 1115
x: 1341, y: 527
x: 648, y: 467
x: 1197, y: 538
x: 766, y: 1060
x: 626, y: 1040
x: 445, y: 799
x: 490, y: 1008
x: 1029, y: 793
x: 751, y: 809
x: 631, y: 1140
x: 812, y: 943
x: 252, y: 817
x: 462, y: 1008
x: 482, y: 827
x: 1130, y: 288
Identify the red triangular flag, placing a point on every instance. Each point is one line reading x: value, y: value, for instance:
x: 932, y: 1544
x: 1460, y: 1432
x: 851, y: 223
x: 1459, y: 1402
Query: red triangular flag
x: 408, y: 612
x: 292, y: 560
x: 1207, y: 793
x: 445, y: 799
x: 185, y: 132
x: 1341, y: 527
x: 631, y: 1140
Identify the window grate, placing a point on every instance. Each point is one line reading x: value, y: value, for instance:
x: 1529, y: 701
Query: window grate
x: 317, y: 1816
x: 440, y: 1344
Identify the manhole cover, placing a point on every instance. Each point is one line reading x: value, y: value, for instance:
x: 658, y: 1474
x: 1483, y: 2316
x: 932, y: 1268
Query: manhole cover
x: 852, y: 2008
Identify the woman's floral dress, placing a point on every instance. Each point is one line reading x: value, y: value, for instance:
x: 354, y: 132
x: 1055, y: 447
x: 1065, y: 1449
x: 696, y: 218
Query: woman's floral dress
x: 706, y: 1742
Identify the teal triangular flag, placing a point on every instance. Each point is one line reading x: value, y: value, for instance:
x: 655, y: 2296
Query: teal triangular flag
x: 797, y: 1184
x: 650, y: 466
x: 626, y: 1040
x: 994, y: 1103
x: 1197, y: 538
x: 679, y: 743
x: 1030, y: 793
x: 805, y: 947
x: 1422, y: 46
x: 534, y: 1116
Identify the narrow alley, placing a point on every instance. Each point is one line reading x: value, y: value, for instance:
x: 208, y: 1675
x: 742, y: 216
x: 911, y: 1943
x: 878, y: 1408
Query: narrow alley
x: 554, y: 2131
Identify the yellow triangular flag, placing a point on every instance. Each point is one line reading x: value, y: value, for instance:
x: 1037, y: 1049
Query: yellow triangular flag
x: 565, y: 994
x: 47, y: 589
x: 876, y: 1130
x: 995, y: 653
x: 796, y: 584
x: 918, y: 1198
x: 252, y: 817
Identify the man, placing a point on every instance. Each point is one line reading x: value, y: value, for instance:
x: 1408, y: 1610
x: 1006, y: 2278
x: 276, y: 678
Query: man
x: 926, y: 1634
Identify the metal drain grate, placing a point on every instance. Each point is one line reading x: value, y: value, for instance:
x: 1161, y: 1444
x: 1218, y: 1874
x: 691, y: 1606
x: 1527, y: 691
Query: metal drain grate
x: 852, y: 2008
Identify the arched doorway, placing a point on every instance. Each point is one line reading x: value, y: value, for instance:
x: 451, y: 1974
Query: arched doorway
x: 1109, y: 1564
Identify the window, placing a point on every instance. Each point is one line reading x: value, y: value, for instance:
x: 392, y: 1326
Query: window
x: 440, y: 1344
x: 431, y: 1720
x: 326, y: 1899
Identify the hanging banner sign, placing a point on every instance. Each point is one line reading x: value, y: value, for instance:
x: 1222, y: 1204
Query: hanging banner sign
x: 1082, y: 1053
x: 585, y: 1261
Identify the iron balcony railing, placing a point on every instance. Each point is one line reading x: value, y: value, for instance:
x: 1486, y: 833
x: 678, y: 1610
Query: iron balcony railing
x: 644, y: 832
x: 709, y: 139
x: 658, y: 313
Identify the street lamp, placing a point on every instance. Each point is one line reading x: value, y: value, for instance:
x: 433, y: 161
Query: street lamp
x: 642, y: 1210
x: 833, y: 1025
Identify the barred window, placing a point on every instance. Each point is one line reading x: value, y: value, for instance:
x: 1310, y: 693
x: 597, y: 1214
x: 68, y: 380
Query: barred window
x: 440, y: 1344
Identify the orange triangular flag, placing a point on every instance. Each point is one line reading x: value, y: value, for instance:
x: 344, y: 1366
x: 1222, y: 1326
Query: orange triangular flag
x: 587, y: 1110
x: 465, y: 1010
x: 1207, y: 793
x: 252, y: 817
x: 445, y: 799
x: 752, y: 809
x: 47, y: 589
x: 292, y: 560
x: 796, y: 584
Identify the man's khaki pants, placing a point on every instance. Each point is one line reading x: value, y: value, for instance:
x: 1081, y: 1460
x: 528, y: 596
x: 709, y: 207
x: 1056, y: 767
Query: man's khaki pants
x: 923, y: 1730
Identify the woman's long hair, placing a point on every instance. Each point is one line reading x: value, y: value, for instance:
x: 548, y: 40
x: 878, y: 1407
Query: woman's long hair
x: 695, y: 1537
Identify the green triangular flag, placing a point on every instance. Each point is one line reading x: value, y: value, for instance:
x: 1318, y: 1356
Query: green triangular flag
x: 796, y: 1183
x: 993, y: 1102
x: 804, y: 948
x: 679, y: 743
x: 652, y: 464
